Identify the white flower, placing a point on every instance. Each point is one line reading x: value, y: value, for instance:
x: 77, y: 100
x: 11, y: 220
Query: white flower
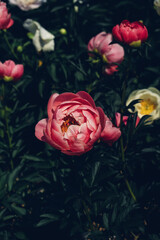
x: 149, y: 103
x: 157, y: 6
x: 42, y: 39
x: 26, y: 5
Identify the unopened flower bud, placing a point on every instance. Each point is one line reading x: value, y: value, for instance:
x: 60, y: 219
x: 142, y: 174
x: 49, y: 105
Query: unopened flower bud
x: 63, y: 31
x: 19, y: 49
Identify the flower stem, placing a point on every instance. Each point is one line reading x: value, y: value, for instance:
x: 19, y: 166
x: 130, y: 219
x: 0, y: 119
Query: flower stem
x: 121, y: 138
x: 86, y: 210
x: 7, y: 128
x: 9, y: 45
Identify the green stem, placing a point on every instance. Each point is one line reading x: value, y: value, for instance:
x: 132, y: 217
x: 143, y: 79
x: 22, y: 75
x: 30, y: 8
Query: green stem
x: 87, y: 214
x: 121, y: 138
x: 130, y: 190
x: 9, y: 45
x: 7, y: 128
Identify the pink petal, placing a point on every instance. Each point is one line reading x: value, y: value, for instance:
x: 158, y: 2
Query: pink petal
x: 111, y: 69
x: 83, y: 134
x: 17, y: 71
x: 110, y: 133
x: 116, y: 33
x: 39, y: 129
x: 91, y: 123
x: 86, y: 96
x: 62, y: 98
x: 59, y: 140
x: 102, y: 117
x: 11, y: 22
x: 104, y: 45
x: 50, y: 104
x: 1, y: 70
x: 115, y: 53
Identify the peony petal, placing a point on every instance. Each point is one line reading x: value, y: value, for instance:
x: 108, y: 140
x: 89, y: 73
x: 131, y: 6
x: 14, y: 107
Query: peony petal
x: 102, y: 117
x: 86, y: 96
x: 39, y: 129
x: 59, y: 140
x: 62, y: 98
x: 1, y: 70
x: 17, y: 71
x: 91, y: 123
x: 110, y: 133
x: 50, y: 104
x: 116, y: 33
x: 115, y: 54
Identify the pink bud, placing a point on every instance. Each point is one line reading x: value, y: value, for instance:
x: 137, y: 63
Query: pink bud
x: 5, y: 18
x: 9, y: 71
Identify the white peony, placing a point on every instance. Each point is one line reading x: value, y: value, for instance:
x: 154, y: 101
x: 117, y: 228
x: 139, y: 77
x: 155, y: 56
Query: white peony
x: 157, y: 6
x: 149, y: 103
x: 26, y: 5
x: 42, y: 39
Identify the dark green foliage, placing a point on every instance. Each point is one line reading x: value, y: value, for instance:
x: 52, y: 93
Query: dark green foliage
x: 45, y: 194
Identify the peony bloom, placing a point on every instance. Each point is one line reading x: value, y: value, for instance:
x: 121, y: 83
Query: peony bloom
x: 157, y: 6
x: 42, y: 39
x: 130, y: 33
x: 26, y: 5
x: 9, y: 71
x: 149, y: 103
x: 5, y: 18
x: 110, y: 53
x: 110, y: 133
x: 74, y: 123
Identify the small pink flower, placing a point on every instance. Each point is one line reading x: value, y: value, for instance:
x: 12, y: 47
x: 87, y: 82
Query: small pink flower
x: 5, y: 18
x: 9, y: 71
x: 130, y: 33
x: 110, y: 69
x: 74, y: 123
x: 110, y: 53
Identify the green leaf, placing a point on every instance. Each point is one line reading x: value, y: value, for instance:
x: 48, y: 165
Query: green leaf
x: 20, y: 235
x: 95, y: 170
x: 105, y: 221
x: 18, y: 210
x: 12, y: 176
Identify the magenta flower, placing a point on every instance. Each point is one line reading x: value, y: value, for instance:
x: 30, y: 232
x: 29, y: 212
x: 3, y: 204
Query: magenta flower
x: 130, y: 33
x: 101, y: 44
x: 9, y: 71
x: 5, y: 18
x: 74, y: 123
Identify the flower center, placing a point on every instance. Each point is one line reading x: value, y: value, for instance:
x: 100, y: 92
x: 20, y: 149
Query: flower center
x: 147, y: 106
x: 68, y: 120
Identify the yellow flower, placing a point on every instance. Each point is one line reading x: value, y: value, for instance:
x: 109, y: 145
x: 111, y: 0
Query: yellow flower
x: 149, y: 103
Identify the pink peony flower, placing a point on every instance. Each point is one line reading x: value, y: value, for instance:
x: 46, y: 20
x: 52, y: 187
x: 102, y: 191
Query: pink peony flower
x: 110, y: 133
x: 74, y: 123
x: 9, y: 71
x: 111, y: 53
x: 130, y: 33
x: 5, y: 18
